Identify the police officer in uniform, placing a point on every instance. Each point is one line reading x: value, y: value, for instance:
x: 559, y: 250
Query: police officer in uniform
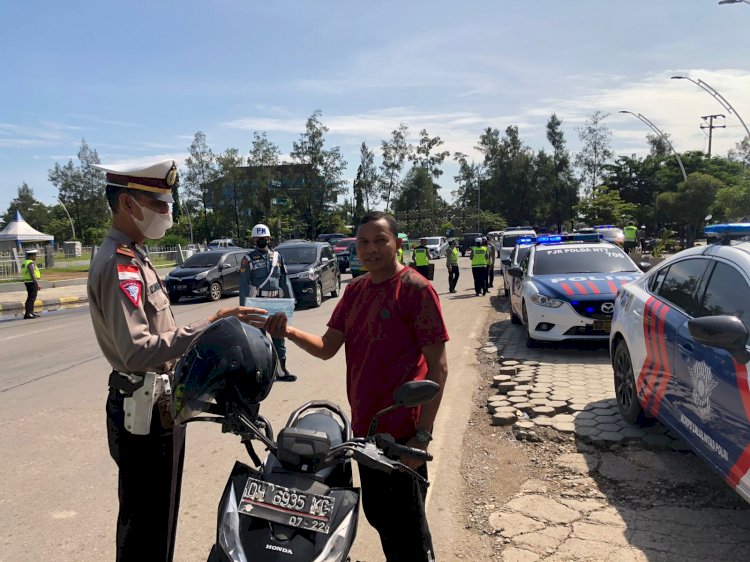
x: 31, y: 276
x: 490, y: 262
x: 478, y: 255
x: 263, y: 274
x: 451, y: 260
x: 136, y: 331
x: 420, y: 257
x: 631, y: 236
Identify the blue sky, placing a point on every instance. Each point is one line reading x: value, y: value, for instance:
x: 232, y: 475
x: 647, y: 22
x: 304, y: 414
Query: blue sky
x: 138, y: 79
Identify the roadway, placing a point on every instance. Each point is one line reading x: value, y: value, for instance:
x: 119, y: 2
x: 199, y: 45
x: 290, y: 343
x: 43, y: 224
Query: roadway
x: 58, y: 498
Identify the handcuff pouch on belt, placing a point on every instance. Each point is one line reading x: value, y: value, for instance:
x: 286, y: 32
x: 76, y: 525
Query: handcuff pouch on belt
x: 141, y: 394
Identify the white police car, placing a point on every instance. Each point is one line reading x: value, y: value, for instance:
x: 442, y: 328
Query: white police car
x: 565, y: 287
x: 680, y: 354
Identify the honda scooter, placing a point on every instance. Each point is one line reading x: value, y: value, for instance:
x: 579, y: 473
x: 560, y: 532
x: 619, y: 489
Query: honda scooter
x: 300, y: 503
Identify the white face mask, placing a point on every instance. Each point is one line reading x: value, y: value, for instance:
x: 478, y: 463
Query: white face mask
x: 153, y: 225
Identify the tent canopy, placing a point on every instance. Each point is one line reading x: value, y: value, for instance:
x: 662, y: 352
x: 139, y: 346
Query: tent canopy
x: 19, y: 231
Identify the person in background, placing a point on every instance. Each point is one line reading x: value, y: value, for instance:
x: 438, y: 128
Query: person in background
x: 31, y: 276
x: 263, y: 274
x: 137, y: 334
x: 451, y: 261
x: 631, y: 236
x: 420, y: 257
x: 478, y: 255
x: 490, y: 262
x: 393, y: 330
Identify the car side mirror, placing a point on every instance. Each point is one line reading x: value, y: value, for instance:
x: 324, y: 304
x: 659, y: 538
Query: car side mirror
x: 324, y: 260
x: 724, y: 332
x: 505, y: 261
x: 645, y: 266
x: 516, y: 271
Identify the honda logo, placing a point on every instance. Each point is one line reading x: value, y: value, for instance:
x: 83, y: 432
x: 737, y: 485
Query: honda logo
x: 608, y: 307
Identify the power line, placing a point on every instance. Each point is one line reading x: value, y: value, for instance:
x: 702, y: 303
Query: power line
x: 711, y: 127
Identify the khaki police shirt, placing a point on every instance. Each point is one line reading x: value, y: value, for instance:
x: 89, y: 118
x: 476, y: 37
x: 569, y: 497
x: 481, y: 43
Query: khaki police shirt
x: 130, y: 310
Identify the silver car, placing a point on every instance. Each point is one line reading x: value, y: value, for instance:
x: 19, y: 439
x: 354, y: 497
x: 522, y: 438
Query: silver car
x: 516, y: 255
x: 437, y: 246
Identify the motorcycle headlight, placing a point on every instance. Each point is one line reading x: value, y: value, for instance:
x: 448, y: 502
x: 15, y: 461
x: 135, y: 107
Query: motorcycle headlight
x: 200, y: 276
x: 336, y: 548
x: 544, y: 300
x: 307, y: 274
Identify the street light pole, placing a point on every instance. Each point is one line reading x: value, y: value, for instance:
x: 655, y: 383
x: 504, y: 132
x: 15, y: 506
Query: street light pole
x: 717, y: 96
x: 663, y: 137
x: 67, y: 213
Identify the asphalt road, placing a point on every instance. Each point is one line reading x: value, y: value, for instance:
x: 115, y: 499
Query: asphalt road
x: 58, y: 483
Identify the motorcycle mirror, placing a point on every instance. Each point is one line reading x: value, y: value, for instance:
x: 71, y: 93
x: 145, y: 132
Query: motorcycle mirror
x: 415, y: 393
x: 408, y: 395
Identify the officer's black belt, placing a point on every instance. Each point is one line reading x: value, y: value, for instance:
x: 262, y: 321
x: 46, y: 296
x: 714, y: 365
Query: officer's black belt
x: 126, y: 384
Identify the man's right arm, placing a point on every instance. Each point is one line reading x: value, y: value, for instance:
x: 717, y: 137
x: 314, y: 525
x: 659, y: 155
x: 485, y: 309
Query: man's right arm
x: 322, y: 347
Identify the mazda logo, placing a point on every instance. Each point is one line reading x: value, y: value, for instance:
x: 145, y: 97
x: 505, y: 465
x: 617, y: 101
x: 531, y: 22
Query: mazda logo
x: 608, y: 308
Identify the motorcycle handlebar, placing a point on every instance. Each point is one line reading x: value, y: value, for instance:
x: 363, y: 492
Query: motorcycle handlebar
x: 395, y: 450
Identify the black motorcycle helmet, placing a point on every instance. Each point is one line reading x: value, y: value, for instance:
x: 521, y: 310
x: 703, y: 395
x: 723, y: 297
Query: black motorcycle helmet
x: 229, y: 361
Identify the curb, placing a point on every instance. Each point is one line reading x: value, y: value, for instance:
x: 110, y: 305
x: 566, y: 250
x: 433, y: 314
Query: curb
x: 42, y: 304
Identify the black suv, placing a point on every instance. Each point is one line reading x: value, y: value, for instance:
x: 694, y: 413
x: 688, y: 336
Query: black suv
x: 467, y: 241
x: 312, y: 269
x: 206, y: 274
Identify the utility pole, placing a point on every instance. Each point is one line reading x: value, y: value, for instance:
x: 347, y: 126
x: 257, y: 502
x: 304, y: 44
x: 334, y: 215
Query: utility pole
x: 711, y: 127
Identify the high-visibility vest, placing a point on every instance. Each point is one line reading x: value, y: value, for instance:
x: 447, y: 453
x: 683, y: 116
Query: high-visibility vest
x: 27, y: 275
x: 478, y: 256
x: 400, y: 255
x: 453, y: 256
x: 631, y: 233
x: 421, y: 257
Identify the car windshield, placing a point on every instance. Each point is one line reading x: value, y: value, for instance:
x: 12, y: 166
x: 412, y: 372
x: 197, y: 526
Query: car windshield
x: 432, y: 241
x: 520, y: 253
x: 204, y: 259
x: 576, y: 259
x: 509, y: 240
x: 298, y: 255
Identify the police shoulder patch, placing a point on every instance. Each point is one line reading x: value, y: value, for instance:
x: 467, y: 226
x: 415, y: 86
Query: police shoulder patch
x: 125, y: 250
x: 132, y: 290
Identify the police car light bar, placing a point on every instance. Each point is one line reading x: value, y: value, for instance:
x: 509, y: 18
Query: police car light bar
x: 605, y: 226
x: 561, y: 238
x: 728, y: 232
x: 527, y: 240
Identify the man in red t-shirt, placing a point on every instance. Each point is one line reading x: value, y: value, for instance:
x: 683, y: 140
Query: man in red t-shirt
x: 393, y: 331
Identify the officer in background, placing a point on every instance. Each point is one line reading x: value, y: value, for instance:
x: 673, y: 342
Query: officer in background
x: 137, y: 334
x: 478, y: 255
x: 490, y: 262
x: 420, y: 257
x: 451, y: 261
x: 31, y: 276
x: 263, y: 274
x: 400, y: 255
x: 631, y: 236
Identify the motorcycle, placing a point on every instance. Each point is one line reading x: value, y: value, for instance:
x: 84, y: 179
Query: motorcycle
x: 300, y: 503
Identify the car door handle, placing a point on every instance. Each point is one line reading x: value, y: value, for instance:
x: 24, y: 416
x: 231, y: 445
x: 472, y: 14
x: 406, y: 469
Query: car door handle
x: 686, y: 348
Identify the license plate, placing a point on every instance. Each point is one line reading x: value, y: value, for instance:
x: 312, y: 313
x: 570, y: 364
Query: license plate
x: 180, y: 287
x: 287, y: 506
x: 603, y: 325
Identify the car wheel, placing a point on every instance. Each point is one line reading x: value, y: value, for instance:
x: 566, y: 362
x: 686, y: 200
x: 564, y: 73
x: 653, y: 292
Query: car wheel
x: 337, y: 287
x: 530, y: 342
x: 214, y: 291
x: 174, y: 298
x: 318, y: 295
x: 625, y: 391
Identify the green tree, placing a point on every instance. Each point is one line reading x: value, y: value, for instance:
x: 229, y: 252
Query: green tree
x: 366, y: 182
x: 596, y: 150
x: 605, y: 206
x: 323, y: 175
x: 33, y: 212
x: 562, y: 186
x: 424, y: 157
x: 741, y: 152
x: 81, y: 189
x: 200, y: 171
x: 690, y: 204
x: 732, y: 202
x: 230, y: 196
x: 395, y: 152
x: 264, y: 160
